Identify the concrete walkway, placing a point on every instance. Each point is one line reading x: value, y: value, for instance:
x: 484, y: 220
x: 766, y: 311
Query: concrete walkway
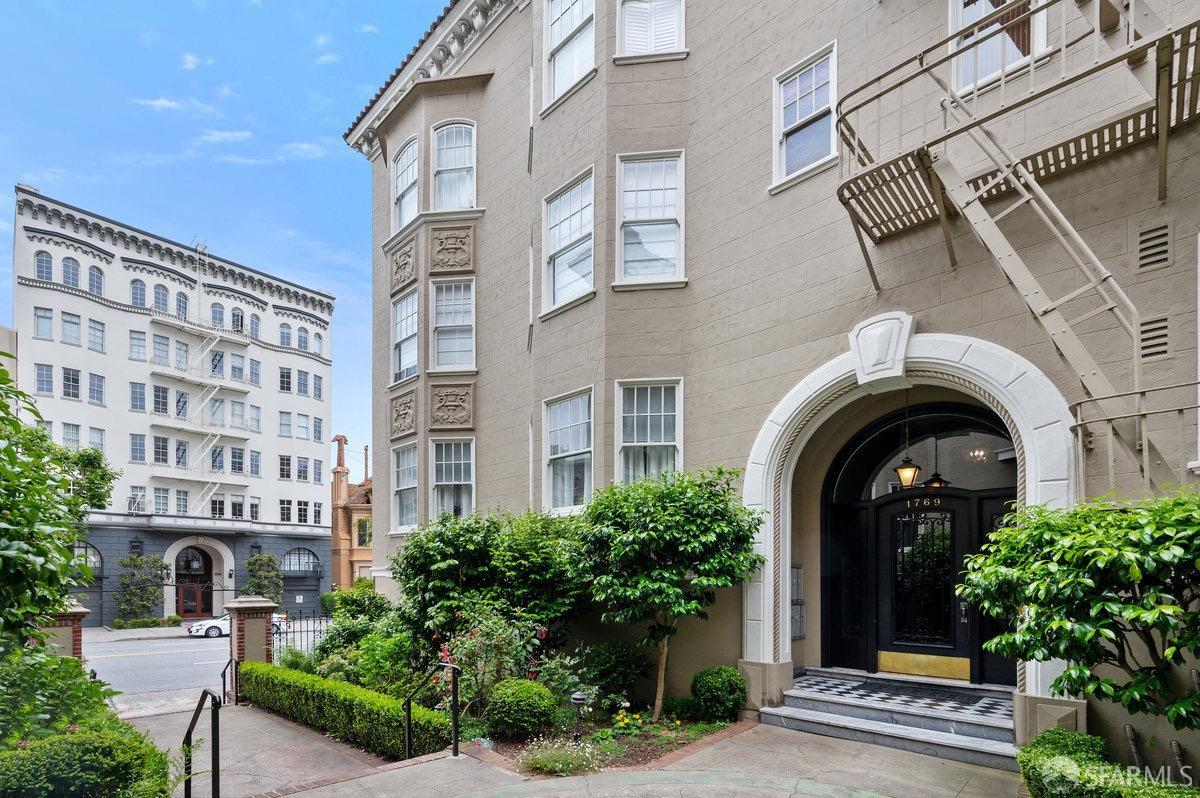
x: 262, y: 755
x: 102, y: 634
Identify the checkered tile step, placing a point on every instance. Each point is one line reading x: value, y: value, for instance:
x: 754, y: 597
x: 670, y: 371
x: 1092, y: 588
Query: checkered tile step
x: 927, y: 699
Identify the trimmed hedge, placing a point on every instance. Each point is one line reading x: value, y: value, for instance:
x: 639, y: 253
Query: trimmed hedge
x: 719, y: 692
x: 1059, y: 763
x: 350, y: 713
x: 86, y: 764
x: 520, y: 708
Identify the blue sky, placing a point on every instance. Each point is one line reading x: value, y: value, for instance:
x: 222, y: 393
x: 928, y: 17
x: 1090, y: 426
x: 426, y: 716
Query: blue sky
x: 214, y: 122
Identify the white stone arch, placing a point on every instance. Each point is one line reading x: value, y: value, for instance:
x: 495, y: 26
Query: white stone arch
x: 885, y: 355
x: 223, y: 565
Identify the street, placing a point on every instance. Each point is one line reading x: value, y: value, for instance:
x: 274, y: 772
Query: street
x: 158, y: 674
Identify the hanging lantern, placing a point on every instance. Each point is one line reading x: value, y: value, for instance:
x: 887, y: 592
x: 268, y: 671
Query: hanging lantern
x: 907, y: 472
x: 937, y: 480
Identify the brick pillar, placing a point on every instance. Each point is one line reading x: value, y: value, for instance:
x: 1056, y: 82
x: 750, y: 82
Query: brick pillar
x: 250, y: 630
x: 64, y: 634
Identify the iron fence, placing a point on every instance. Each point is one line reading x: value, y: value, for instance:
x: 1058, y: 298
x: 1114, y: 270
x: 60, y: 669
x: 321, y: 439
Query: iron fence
x: 300, y: 632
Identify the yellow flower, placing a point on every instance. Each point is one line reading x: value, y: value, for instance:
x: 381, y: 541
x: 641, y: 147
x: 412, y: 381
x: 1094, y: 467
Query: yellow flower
x: 677, y: 723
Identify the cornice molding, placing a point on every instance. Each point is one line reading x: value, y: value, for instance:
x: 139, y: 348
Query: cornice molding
x: 146, y: 267
x: 53, y: 212
x: 442, y: 54
x: 70, y: 242
x: 300, y: 315
x: 216, y: 289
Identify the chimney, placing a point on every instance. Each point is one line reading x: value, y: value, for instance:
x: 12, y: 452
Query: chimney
x: 366, y: 463
x: 341, y: 474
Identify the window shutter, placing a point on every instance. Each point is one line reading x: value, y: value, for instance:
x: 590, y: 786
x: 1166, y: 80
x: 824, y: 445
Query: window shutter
x: 637, y: 26
x: 665, y: 35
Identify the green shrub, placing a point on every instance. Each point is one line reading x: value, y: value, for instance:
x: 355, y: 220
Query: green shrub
x: 682, y: 708
x: 138, y: 623
x: 360, y: 601
x: 264, y: 578
x: 560, y: 757
x: 86, y: 764
x: 720, y: 692
x: 343, y: 633
x: 1059, y: 763
x: 614, y: 668
x: 519, y: 708
x: 172, y: 620
x: 489, y: 647
x: 141, y: 583
x: 350, y: 713
x: 382, y: 659
x: 41, y: 694
x: 327, y: 604
x: 296, y: 660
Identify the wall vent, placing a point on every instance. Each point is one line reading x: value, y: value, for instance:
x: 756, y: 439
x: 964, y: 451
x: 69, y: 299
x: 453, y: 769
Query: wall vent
x: 1155, y: 249
x: 1152, y: 339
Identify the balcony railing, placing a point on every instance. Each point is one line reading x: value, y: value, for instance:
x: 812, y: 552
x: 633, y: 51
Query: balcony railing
x: 201, y: 324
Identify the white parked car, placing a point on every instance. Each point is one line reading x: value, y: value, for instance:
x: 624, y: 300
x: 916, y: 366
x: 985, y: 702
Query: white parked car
x: 219, y: 627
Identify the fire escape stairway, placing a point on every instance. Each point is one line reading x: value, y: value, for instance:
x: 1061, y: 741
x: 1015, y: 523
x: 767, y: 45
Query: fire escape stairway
x: 919, y: 184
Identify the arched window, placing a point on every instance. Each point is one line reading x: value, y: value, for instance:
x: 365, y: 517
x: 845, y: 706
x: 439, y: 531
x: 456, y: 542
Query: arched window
x: 137, y: 294
x: 300, y: 561
x: 318, y: 343
x: 71, y: 272
x: 285, y: 334
x: 95, y: 280
x: 454, y: 167
x: 181, y: 305
x: 45, y: 265
x: 217, y: 314
x: 161, y: 298
x: 255, y: 325
x: 237, y: 319
x: 302, y: 338
x: 90, y: 556
x: 404, y: 173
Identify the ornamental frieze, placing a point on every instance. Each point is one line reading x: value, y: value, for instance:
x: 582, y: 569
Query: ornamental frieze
x: 404, y: 267
x: 404, y: 414
x: 451, y: 249
x: 451, y: 406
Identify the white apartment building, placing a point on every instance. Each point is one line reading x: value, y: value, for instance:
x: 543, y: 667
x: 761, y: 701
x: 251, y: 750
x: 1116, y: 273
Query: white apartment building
x: 205, y: 382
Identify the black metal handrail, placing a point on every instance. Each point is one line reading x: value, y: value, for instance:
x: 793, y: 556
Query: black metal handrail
x: 234, y: 664
x: 216, y: 744
x: 429, y: 674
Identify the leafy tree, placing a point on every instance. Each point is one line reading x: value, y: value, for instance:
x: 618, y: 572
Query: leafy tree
x: 1100, y: 584
x: 658, y: 550
x: 360, y: 600
x: 266, y: 579
x: 46, y: 491
x: 526, y: 563
x: 141, y: 585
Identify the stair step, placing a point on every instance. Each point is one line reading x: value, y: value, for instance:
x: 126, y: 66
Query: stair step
x: 959, y: 723
x: 957, y: 747
x: 997, y: 691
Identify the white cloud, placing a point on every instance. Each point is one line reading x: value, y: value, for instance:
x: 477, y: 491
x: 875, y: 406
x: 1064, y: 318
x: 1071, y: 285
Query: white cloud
x: 243, y: 160
x: 161, y: 104
x: 225, y: 91
x: 306, y: 150
x: 321, y: 41
x: 327, y: 58
x: 366, y: 27
x: 223, y: 136
x: 190, y: 61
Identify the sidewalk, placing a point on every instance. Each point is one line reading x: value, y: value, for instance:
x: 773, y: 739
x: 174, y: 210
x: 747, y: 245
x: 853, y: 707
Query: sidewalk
x: 102, y: 634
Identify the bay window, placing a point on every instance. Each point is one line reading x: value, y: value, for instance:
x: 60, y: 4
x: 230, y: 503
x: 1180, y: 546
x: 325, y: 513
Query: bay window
x: 569, y: 243
x: 571, y: 47
x: 651, y: 208
x: 453, y: 477
x: 404, y: 337
x: 454, y: 167
x: 651, y: 26
x: 569, y: 451
x: 404, y: 174
x: 404, y: 486
x: 454, y: 325
x: 804, y: 100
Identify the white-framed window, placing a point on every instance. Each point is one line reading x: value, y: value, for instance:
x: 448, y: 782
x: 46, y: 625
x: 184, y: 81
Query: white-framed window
x: 285, y: 423
x: 137, y: 293
x: 404, y: 486
x: 95, y: 281
x: 70, y: 383
x: 181, y: 453
x: 255, y: 463
x: 95, y: 335
x: 181, y: 502
x: 43, y: 266
x: 70, y: 328
x: 71, y: 436
x: 181, y: 404
x: 216, y: 459
x: 318, y: 471
x: 996, y: 53
x: 160, y: 399
x: 285, y: 334
x: 302, y: 382
x: 302, y: 469
x: 316, y: 519
x: 137, y: 498
x: 137, y: 447
x: 96, y: 438
x: 404, y: 337
x: 237, y: 460
x: 137, y: 345
x: 255, y: 325
x: 318, y: 429
x: 70, y: 272
x: 805, y: 137
x: 649, y: 414
x: 44, y: 379
x: 651, y: 26
x: 181, y: 305
x: 237, y: 506
x: 318, y: 389
x: 162, y: 501
x: 568, y: 245
x: 237, y: 367
x: 285, y: 379
x: 318, y: 344
x: 216, y: 315
x: 162, y: 449
x: 162, y: 298
x: 216, y: 412
x: 137, y: 397
x: 302, y: 426
x: 454, y: 166
x: 302, y: 339
x: 255, y: 418
x: 181, y: 355
x: 160, y: 350
x: 650, y: 234
x: 255, y: 372
x: 453, y: 476
x: 96, y: 389
x: 216, y: 505
x: 237, y: 414
x: 43, y: 323
x: 405, y: 171
x: 568, y: 451
x: 570, y: 44
x: 285, y: 511
x: 453, y: 313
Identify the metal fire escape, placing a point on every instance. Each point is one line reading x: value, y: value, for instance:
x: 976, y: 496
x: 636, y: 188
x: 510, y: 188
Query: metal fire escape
x: 911, y: 135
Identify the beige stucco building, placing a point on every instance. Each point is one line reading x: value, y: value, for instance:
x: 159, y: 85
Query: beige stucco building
x: 351, y: 531
x: 807, y: 240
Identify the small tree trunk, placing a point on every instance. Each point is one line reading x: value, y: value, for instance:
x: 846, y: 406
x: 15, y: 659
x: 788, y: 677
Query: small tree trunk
x: 662, y: 678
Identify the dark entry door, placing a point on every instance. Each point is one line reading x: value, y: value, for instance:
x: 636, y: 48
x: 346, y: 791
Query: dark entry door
x: 193, y: 583
x: 921, y: 537
x: 993, y: 668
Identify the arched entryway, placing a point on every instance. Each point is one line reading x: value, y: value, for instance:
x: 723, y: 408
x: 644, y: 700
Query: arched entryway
x: 884, y: 360
x: 193, y: 583
x: 904, y: 501
x: 301, y: 581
